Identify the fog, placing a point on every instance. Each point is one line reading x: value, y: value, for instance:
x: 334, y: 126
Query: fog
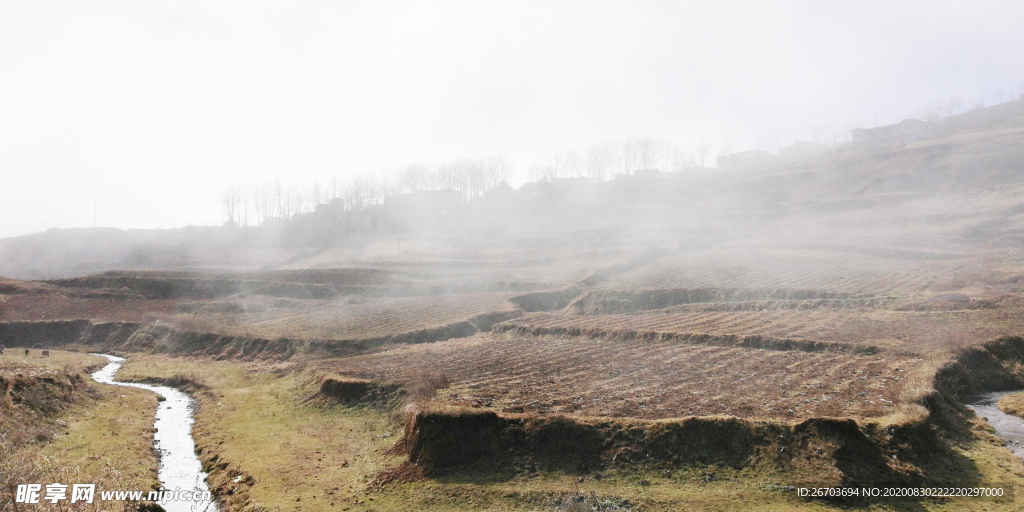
x: 139, y: 115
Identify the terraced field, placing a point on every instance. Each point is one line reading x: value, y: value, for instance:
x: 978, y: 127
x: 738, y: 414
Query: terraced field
x: 347, y: 318
x: 843, y: 270
x: 622, y: 378
x: 901, y: 330
x: 37, y: 307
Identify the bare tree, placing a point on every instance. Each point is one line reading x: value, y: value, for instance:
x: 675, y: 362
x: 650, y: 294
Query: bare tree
x: 413, y: 178
x: 648, y: 153
x: 601, y: 162
x: 557, y: 164
x: 979, y: 101
x: 630, y: 156
x: 683, y: 160
x: 955, y: 106
x: 499, y: 169
x: 317, y: 195
x: 231, y: 201
x: 336, y: 188
x: 568, y: 164
x: 702, y: 149
x: 355, y: 194
x: 725, y: 148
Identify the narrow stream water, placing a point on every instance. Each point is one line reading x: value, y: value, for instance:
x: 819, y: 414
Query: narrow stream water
x: 179, y: 466
x: 1010, y: 428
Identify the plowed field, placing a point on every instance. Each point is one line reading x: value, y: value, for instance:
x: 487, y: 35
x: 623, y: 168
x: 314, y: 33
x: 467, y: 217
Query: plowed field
x: 643, y: 379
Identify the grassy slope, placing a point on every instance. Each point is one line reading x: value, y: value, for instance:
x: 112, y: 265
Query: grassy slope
x: 110, y: 441
x: 59, y: 360
x: 107, y: 440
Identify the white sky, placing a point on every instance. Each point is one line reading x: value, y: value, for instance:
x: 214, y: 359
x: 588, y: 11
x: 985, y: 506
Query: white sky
x: 149, y: 108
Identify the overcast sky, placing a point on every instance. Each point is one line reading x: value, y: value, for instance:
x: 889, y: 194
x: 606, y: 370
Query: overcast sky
x: 149, y: 108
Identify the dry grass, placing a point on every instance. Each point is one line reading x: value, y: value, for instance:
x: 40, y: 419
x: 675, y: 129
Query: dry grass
x: 257, y: 420
x: 424, y: 384
x: 15, y: 361
x: 110, y: 443
x: 63, y: 430
x: 1012, y: 404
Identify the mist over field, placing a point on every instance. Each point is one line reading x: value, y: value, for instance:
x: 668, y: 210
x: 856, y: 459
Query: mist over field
x: 528, y: 256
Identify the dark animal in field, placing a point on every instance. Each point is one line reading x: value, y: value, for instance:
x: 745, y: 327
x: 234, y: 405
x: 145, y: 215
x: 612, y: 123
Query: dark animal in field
x: 46, y: 353
x: 26, y: 351
x: 2, y: 350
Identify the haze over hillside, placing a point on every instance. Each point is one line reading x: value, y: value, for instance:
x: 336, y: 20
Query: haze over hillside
x: 138, y: 116
x: 953, y: 191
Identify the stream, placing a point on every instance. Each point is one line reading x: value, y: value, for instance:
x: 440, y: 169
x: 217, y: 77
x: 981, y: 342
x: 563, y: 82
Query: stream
x: 1008, y: 427
x: 179, y: 466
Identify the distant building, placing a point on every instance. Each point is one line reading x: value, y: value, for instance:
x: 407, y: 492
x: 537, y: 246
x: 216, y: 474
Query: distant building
x: 908, y: 130
x: 501, y: 192
x: 647, y: 172
x: 335, y: 208
x: 745, y: 160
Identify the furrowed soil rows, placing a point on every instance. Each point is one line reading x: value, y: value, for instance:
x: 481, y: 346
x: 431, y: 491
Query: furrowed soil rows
x: 803, y: 269
x: 59, y: 307
x: 649, y: 380
x: 905, y: 330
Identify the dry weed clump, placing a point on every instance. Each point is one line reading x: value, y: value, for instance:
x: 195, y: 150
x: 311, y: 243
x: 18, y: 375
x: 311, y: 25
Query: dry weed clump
x: 29, y: 465
x: 190, y: 382
x: 421, y: 388
x: 578, y: 501
x: 424, y: 384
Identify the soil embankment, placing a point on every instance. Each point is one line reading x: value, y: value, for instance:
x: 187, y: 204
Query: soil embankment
x: 165, y: 338
x: 722, y: 340
x: 836, y: 451
x: 992, y: 366
x: 607, y: 302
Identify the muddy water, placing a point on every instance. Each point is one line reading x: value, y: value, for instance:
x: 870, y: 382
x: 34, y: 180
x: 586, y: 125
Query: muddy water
x: 179, y: 466
x: 1010, y: 428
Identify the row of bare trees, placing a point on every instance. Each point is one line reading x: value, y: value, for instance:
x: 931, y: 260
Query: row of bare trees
x: 254, y: 203
x: 601, y: 162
